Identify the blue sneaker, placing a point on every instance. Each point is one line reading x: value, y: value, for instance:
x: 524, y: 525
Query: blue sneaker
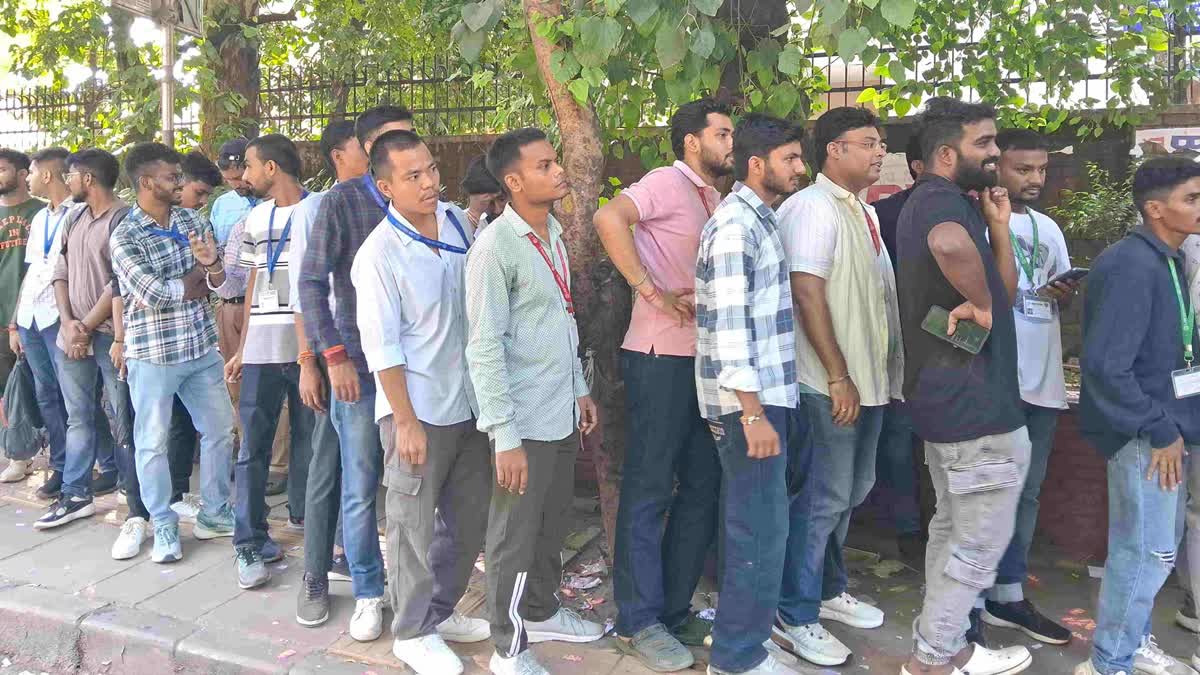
x: 252, y: 571
x: 271, y: 551
x: 166, y: 544
x: 219, y: 524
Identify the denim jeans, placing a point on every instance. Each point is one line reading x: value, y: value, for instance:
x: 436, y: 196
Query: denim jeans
x: 87, y: 441
x: 758, y: 518
x: 322, y: 497
x: 200, y: 384
x: 362, y: 467
x: 657, y: 568
x: 263, y: 390
x: 896, y: 469
x: 1010, y: 575
x: 978, y: 484
x: 843, y: 472
x: 183, y: 450
x: 1145, y: 525
x: 45, y: 360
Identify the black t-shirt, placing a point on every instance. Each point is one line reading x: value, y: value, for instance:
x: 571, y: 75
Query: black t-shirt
x: 888, y: 211
x: 952, y: 395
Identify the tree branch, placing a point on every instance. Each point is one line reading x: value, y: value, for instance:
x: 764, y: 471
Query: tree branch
x: 274, y: 17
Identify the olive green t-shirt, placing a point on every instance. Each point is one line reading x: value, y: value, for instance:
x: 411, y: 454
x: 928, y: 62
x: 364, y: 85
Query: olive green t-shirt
x: 14, y: 232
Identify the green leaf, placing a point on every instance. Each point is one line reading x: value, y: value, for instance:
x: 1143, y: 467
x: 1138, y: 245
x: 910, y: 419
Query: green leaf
x: 870, y: 4
x: 613, y: 6
x: 669, y: 46
x: 783, y: 100
x: 832, y: 11
x: 563, y: 65
x: 477, y: 14
x: 707, y: 7
x: 1157, y: 39
x: 899, y: 13
x: 867, y: 95
x: 640, y: 11
x: 579, y: 89
x: 756, y: 97
x: 902, y: 106
x: 594, y: 76
x: 471, y: 45
x: 789, y: 60
x: 598, y: 37
x: 851, y: 43
x: 897, y: 72
x: 703, y: 42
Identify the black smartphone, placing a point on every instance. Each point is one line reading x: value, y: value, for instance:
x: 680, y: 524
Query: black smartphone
x: 1073, y: 274
x: 968, y: 335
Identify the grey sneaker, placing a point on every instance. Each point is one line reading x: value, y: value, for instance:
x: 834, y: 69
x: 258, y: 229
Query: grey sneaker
x: 1150, y: 659
x: 312, y: 607
x: 657, y: 649
x: 768, y: 666
x: 217, y: 525
x: 252, y: 571
x: 524, y: 663
x: 166, y: 544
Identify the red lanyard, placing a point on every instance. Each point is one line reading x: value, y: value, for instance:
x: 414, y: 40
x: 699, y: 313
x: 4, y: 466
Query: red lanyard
x: 703, y: 201
x: 558, y: 278
x: 872, y: 228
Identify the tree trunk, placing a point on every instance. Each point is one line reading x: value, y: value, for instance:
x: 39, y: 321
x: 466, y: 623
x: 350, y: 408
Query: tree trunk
x: 756, y: 20
x: 236, y: 69
x: 127, y: 58
x: 601, y: 294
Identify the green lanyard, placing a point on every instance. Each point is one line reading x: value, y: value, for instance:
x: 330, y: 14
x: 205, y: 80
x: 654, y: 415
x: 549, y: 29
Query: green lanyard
x: 1187, y: 314
x: 1026, y: 263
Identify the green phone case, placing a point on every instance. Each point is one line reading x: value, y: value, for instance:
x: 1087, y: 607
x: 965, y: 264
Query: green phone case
x: 968, y: 335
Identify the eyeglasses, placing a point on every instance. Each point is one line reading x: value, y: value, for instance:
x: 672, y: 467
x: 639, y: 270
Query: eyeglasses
x: 176, y: 178
x: 66, y: 177
x: 869, y: 145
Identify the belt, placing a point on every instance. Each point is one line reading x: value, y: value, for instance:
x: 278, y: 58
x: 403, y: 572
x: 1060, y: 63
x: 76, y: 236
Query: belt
x: 236, y: 301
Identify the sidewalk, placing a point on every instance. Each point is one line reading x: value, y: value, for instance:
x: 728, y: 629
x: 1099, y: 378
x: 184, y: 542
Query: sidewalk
x: 67, y: 607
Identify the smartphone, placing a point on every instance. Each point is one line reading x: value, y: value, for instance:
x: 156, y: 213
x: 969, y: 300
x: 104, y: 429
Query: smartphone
x: 968, y: 335
x: 1073, y: 274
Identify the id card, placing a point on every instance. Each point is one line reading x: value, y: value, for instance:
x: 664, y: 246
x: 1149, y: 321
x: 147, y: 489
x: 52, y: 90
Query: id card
x: 1038, y: 308
x: 268, y: 300
x: 1186, y: 382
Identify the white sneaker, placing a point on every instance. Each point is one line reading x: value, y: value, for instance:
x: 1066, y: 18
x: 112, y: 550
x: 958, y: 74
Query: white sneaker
x: 813, y: 644
x: 524, y: 663
x: 779, y: 653
x: 129, y: 542
x: 953, y: 671
x: 1150, y: 659
x: 1005, y: 661
x: 1086, y: 668
x: 427, y: 655
x: 16, y: 471
x: 768, y: 667
x: 459, y: 628
x: 367, y: 623
x: 188, y: 509
x: 564, y: 626
x: 846, y: 609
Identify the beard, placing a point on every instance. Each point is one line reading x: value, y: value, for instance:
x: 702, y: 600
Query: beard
x: 715, y: 164
x: 777, y: 183
x: 975, y: 176
x: 9, y: 187
x: 171, y: 197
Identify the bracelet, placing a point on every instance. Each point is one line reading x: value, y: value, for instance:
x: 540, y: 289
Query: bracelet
x: 747, y: 420
x: 644, y: 278
x: 118, y: 342
x: 335, y: 355
x: 840, y: 379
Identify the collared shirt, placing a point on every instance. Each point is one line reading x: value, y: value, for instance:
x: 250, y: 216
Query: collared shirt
x: 300, y: 235
x: 228, y: 210
x: 1131, y: 344
x: 346, y: 216
x: 37, y: 306
x: 236, y: 276
x: 418, y: 317
x: 523, y: 345
x: 160, y: 326
x: 673, y: 204
x: 85, y: 262
x: 746, y: 334
x: 827, y: 232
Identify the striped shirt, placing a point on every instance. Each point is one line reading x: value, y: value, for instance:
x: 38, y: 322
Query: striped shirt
x: 160, y: 326
x: 746, y: 334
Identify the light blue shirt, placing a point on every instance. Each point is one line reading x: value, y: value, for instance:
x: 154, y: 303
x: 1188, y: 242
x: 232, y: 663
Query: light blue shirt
x: 227, y: 211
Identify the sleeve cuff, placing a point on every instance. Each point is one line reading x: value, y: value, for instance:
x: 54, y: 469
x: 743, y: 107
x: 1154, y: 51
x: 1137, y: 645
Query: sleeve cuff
x: 384, y: 357
x: 1163, y: 433
x: 812, y: 268
x: 506, y: 437
x: 740, y: 378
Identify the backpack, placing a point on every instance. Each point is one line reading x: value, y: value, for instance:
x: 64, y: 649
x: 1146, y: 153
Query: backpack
x: 19, y: 437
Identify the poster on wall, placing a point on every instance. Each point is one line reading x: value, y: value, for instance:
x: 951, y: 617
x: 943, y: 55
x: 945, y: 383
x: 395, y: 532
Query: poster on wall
x: 1150, y: 142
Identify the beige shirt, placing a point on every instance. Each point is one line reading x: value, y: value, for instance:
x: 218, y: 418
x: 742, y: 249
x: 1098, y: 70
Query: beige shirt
x: 85, y: 263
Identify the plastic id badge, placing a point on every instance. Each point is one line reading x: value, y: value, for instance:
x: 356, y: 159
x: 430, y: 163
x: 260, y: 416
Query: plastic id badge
x: 268, y: 300
x: 1038, y: 308
x: 1186, y: 382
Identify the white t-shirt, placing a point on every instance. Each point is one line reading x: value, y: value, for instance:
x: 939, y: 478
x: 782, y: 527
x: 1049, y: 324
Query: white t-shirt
x: 1039, y: 340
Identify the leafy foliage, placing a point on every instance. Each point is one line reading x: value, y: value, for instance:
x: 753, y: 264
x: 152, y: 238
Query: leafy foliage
x: 1102, y: 212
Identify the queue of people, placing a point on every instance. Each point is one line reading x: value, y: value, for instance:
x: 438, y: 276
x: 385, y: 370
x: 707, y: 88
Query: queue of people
x: 784, y: 342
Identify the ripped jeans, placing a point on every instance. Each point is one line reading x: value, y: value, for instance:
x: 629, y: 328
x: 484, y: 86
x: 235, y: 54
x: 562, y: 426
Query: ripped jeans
x: 1145, y: 525
x: 978, y: 484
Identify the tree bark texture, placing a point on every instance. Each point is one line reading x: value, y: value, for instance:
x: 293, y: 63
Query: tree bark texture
x: 236, y: 69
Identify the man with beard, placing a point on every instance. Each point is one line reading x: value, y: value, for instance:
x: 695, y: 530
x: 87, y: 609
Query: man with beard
x: 200, y: 178
x: 668, y: 440
x: 967, y: 407
x: 850, y: 363
x: 230, y: 208
x: 170, y: 344
x: 17, y: 209
x: 746, y: 387
x: 485, y: 199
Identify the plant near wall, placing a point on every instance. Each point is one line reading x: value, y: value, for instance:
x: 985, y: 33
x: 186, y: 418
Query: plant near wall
x: 1103, y: 212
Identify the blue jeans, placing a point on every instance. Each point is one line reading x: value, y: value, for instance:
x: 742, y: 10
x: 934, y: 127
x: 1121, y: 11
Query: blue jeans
x: 89, y: 442
x: 1010, y: 575
x: 657, y: 568
x: 1145, y: 525
x: 45, y: 360
x: 896, y: 469
x: 843, y: 463
x: 200, y: 384
x: 263, y: 390
x: 362, y: 468
x: 756, y: 512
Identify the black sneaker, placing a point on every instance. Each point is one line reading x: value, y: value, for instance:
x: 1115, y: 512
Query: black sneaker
x: 276, y: 486
x: 64, y: 511
x: 1024, y: 617
x: 52, y: 487
x: 339, y: 568
x: 312, y: 607
x: 975, y: 633
x: 104, y: 483
x: 1186, y: 616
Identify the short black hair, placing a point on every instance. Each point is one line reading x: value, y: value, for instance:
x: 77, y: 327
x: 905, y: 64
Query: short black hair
x: 757, y: 135
x: 55, y: 154
x: 334, y: 137
x: 692, y: 118
x: 478, y: 180
x: 281, y: 150
x: 143, y: 155
x: 396, y: 139
x: 943, y: 120
x: 373, y: 118
x: 101, y: 164
x: 1021, y: 139
x: 830, y: 126
x: 912, y: 149
x: 506, y: 150
x: 18, y: 159
x: 198, y: 167
x: 1158, y: 176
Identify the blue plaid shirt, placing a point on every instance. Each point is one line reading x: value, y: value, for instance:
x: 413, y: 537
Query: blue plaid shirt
x: 746, y: 334
x: 160, y: 326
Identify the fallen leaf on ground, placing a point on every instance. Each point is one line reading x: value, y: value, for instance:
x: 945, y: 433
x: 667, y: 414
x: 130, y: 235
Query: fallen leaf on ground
x: 583, y: 583
x: 573, y: 658
x: 887, y: 568
x: 286, y: 654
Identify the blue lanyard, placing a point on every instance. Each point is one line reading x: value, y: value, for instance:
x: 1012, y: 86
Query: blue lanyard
x: 172, y: 233
x: 274, y: 254
x: 48, y: 241
x: 433, y: 242
x: 375, y: 192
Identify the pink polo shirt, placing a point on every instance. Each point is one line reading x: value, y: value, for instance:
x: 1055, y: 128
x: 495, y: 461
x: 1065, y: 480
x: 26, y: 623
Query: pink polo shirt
x: 673, y: 205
